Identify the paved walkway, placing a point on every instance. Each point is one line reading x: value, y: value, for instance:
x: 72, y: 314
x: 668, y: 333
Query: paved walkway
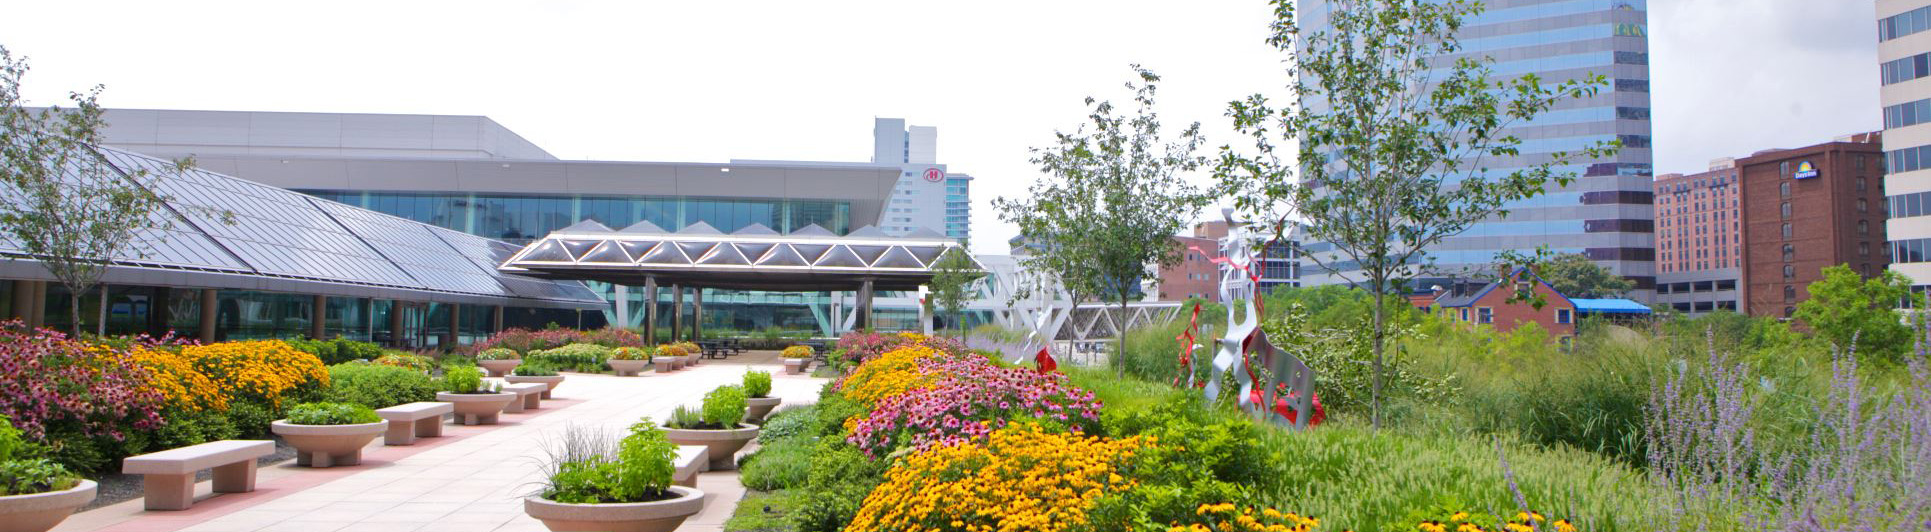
x: 471, y: 480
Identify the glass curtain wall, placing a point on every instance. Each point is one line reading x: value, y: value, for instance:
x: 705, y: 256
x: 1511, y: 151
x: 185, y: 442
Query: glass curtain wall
x: 522, y: 218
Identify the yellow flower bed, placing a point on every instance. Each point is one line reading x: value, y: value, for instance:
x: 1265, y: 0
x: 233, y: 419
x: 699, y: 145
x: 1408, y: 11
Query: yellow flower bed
x: 895, y: 372
x: 1019, y: 479
x: 1523, y: 522
x: 670, y: 350
x: 1226, y: 517
x: 797, y: 351
x: 263, y: 369
x: 185, y: 387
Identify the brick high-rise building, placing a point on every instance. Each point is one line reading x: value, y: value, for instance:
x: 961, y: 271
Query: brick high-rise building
x: 1699, y: 250
x: 1808, y: 208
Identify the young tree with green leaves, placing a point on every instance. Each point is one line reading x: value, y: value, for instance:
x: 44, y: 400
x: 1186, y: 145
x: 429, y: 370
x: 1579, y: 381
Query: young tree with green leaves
x: 951, y: 285
x: 1574, y: 275
x: 63, y: 204
x: 1113, y: 197
x: 1846, y: 308
x: 1397, y: 129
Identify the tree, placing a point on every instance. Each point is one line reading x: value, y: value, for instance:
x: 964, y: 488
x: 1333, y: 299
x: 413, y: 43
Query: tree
x: 1104, y: 216
x: 951, y: 285
x: 1397, y: 157
x: 1845, y: 308
x: 1574, y: 275
x: 64, y: 205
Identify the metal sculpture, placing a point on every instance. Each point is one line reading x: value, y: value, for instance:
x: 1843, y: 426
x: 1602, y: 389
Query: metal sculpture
x: 1273, y: 384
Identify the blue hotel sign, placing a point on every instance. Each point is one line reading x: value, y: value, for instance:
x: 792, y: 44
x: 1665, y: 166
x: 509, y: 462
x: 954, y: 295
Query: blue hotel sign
x: 1805, y: 170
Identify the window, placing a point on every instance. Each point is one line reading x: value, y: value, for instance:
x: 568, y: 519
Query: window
x: 1786, y: 210
x: 1789, y: 294
x: 1485, y: 315
x: 1563, y: 315
x: 1860, y: 181
x: 1464, y: 314
x: 1863, y: 205
x: 1789, y: 253
x: 1863, y: 227
x: 1863, y: 249
x: 1783, y: 169
x: 1789, y: 311
x: 1786, y: 231
x: 1789, y: 272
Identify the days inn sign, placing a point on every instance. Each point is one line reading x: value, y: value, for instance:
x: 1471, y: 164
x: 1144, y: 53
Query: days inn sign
x: 1805, y: 170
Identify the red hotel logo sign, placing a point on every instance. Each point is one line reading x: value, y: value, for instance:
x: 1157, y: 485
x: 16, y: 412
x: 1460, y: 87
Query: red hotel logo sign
x: 934, y: 175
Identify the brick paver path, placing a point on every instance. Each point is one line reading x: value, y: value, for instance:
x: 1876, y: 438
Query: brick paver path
x: 472, y: 480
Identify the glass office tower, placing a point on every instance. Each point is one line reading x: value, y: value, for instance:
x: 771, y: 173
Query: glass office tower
x: 1606, y: 214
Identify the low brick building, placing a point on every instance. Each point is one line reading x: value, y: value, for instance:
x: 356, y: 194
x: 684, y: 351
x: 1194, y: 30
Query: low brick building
x: 1488, y: 304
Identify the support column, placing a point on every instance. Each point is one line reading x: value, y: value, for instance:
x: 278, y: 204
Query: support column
x: 623, y: 305
x: 455, y: 325
x: 100, y: 327
x: 925, y: 312
x: 23, y: 300
x: 676, y: 311
x: 495, y: 320
x: 697, y: 314
x: 863, y: 322
x: 650, y: 310
x: 318, y: 320
x: 40, y: 304
x: 210, y: 309
x: 395, y: 323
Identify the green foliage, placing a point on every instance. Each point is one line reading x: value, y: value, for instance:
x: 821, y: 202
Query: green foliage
x: 952, y: 279
x: 789, y: 423
x: 378, y: 386
x: 10, y: 442
x: 252, y: 417
x: 783, y: 464
x: 633, y: 353
x: 685, y: 417
x: 462, y: 380
x: 1846, y: 309
x: 585, y: 472
x: 1224, y: 445
x: 764, y: 512
x: 40, y: 475
x: 832, y: 411
x: 498, y: 353
x: 332, y: 414
x: 581, y: 357
x: 840, y: 478
x: 1574, y: 275
x: 757, y: 383
x: 338, y: 350
x: 724, y: 407
x: 534, y: 369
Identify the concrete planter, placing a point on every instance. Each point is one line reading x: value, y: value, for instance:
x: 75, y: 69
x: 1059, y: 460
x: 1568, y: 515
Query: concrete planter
x: 628, y: 368
x: 796, y: 366
x: 552, y: 380
x: 477, y: 408
x: 723, y: 444
x: 692, y: 358
x: 759, y: 407
x: 39, y: 512
x: 677, y: 362
x: 498, y: 368
x: 654, y: 516
x: 665, y: 364
x: 328, y: 445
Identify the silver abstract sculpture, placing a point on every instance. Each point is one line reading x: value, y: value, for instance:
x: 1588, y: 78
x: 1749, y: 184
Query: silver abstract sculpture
x: 1274, y: 384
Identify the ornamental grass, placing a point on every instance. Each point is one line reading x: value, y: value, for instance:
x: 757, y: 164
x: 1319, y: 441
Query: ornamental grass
x: 1021, y: 478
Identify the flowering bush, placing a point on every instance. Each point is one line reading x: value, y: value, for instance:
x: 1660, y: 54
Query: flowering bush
x: 498, y: 353
x: 889, y: 374
x: 690, y: 348
x: 262, y: 369
x: 860, y: 346
x: 1226, y: 517
x: 611, y: 337
x: 575, y: 357
x: 632, y: 353
x: 670, y: 350
x: 969, y: 397
x: 1466, y: 522
x: 47, y: 380
x: 405, y: 360
x: 797, y: 351
x: 1020, y: 478
x: 525, y: 340
x: 185, y: 387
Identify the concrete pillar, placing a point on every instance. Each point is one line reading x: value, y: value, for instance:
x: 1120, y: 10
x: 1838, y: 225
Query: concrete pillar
x: 650, y: 309
x: 100, y: 325
x: 40, y: 304
x: 210, y: 309
x: 864, y: 307
x: 925, y: 312
x: 623, y: 305
x: 158, y: 311
x: 23, y: 300
x: 395, y: 323
x: 496, y: 319
x: 318, y: 320
x: 697, y: 314
x: 676, y: 311
x: 455, y: 325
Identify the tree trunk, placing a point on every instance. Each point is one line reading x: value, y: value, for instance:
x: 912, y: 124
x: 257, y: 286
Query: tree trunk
x: 1120, y: 328
x: 1380, y: 332
x: 73, y: 309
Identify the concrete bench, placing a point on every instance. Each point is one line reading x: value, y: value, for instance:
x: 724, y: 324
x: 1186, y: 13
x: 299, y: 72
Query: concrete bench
x: 168, y: 476
x: 529, y: 396
x: 690, y: 460
x: 414, y: 420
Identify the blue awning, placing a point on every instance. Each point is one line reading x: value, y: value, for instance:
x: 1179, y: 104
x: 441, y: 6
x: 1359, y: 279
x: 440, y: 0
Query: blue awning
x: 1609, y: 306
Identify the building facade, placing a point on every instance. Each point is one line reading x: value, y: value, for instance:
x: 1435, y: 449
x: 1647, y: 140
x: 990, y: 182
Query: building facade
x: 1904, y: 58
x: 1806, y: 209
x: 1488, y: 304
x: 1197, y: 275
x: 470, y: 174
x: 1606, y: 213
x: 1699, y: 244
x: 916, y: 148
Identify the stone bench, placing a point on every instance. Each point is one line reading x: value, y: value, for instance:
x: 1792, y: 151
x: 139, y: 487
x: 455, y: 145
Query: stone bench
x: 168, y: 476
x: 529, y: 396
x: 414, y: 420
x: 690, y: 460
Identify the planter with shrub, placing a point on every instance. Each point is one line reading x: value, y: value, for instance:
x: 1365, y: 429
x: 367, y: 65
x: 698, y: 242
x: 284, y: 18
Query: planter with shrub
x: 36, y: 494
x: 758, y: 400
x: 498, y: 361
x: 629, y: 361
x: 797, y: 359
x: 716, y: 426
x: 540, y: 373
x: 592, y: 487
x: 675, y: 353
x: 329, y: 434
x: 376, y: 386
x: 578, y: 357
x: 477, y: 402
x: 691, y: 352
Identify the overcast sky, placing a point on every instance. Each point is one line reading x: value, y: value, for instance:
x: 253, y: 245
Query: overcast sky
x: 712, y: 81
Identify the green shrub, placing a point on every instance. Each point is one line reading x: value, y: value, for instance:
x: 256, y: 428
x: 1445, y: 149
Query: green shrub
x: 10, y: 443
x: 724, y: 407
x: 840, y: 478
x: 832, y: 411
x: 1225, y: 445
x: 405, y: 360
x: 462, y: 380
x: 378, y: 386
x: 252, y: 417
x: 757, y: 383
x: 800, y: 422
x: 684, y: 417
x: 40, y: 475
x: 583, y: 357
x: 534, y: 370
x: 338, y: 350
x: 498, y: 353
x: 781, y: 465
x: 632, y: 353
x: 331, y: 414
x: 641, y: 470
